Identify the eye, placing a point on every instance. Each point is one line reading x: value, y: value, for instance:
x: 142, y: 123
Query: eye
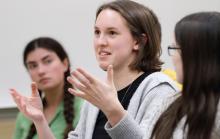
x: 32, y: 66
x: 96, y: 32
x: 48, y: 61
x: 112, y: 33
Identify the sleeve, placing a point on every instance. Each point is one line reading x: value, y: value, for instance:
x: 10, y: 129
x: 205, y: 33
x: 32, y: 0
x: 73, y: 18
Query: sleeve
x: 18, y: 130
x: 77, y: 107
x: 152, y: 106
x: 77, y: 133
x: 126, y: 128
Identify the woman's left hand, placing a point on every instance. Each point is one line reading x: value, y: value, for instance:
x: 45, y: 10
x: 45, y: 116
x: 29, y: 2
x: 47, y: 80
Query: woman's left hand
x: 99, y: 93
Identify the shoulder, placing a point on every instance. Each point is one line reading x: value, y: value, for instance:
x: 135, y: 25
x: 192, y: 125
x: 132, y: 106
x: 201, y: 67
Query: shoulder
x: 152, y: 97
x: 158, y: 88
x: 158, y: 80
x: 154, y: 93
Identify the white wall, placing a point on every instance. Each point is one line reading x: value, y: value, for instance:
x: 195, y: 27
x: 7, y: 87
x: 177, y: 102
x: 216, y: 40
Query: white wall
x: 70, y: 22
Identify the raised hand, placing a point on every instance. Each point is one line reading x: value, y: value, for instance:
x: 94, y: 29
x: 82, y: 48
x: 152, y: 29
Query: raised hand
x: 99, y: 93
x: 31, y: 106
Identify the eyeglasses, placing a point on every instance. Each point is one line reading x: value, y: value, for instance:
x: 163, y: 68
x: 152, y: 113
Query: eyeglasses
x: 172, y: 50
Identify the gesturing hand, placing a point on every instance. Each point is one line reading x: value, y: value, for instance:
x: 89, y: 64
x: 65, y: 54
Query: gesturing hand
x: 31, y: 106
x: 99, y: 93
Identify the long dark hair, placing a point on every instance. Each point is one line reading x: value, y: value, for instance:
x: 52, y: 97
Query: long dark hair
x: 198, y: 36
x: 140, y: 21
x: 53, y: 45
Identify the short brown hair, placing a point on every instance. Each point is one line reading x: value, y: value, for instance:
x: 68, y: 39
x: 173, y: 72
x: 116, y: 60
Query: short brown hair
x: 142, y: 23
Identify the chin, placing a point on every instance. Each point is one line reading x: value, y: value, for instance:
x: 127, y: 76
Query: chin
x: 46, y: 87
x: 103, y: 66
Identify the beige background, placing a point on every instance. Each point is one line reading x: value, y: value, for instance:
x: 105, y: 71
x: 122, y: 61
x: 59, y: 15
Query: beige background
x: 7, y: 122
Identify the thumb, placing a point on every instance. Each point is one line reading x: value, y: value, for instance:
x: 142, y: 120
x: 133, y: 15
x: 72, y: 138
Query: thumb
x: 110, y: 74
x: 34, y: 90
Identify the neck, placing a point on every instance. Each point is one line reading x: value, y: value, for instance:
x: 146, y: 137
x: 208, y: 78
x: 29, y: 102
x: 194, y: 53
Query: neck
x: 123, y: 78
x: 54, y: 96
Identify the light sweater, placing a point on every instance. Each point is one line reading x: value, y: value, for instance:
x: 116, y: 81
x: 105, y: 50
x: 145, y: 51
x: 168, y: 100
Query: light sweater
x: 151, y: 98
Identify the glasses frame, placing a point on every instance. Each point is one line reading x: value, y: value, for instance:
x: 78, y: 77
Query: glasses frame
x: 170, y: 48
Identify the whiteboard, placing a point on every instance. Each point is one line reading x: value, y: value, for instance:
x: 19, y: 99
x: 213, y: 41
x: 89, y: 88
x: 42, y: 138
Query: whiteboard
x: 70, y: 22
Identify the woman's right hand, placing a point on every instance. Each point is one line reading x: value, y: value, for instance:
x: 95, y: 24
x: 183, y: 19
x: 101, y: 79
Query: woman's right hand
x: 32, y: 106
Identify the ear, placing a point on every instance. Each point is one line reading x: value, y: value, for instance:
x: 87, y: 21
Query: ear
x: 140, y: 41
x: 66, y: 64
x: 136, y: 46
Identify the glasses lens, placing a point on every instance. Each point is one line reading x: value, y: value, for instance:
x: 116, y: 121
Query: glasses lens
x: 172, y: 50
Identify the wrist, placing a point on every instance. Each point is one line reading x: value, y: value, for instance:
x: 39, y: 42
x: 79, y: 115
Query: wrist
x: 40, y: 120
x: 115, y: 115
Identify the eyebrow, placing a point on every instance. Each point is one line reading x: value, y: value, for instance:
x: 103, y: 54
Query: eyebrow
x: 44, y: 58
x: 109, y: 28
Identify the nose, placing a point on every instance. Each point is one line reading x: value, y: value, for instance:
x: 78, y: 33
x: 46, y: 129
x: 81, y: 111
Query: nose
x: 102, y: 40
x: 41, y: 70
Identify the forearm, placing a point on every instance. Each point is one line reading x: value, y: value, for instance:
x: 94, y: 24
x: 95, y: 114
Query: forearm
x: 43, y: 130
x: 126, y: 128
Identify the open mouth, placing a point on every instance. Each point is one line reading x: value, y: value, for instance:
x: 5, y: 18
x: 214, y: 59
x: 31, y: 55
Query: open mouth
x: 104, y: 53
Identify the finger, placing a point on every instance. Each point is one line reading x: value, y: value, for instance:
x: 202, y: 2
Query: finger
x: 80, y: 94
x: 34, y: 90
x: 80, y: 90
x: 77, y: 93
x: 14, y: 93
x: 16, y: 98
x: 81, y: 78
x: 87, y: 75
x: 23, y: 107
x: 110, y: 75
x: 76, y: 84
x: 19, y: 100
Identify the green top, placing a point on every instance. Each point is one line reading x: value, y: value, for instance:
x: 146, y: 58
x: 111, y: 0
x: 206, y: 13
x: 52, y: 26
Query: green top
x: 57, y: 124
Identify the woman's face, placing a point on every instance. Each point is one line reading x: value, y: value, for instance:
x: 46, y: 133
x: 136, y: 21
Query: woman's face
x: 46, y: 69
x: 177, y: 61
x: 113, y: 41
